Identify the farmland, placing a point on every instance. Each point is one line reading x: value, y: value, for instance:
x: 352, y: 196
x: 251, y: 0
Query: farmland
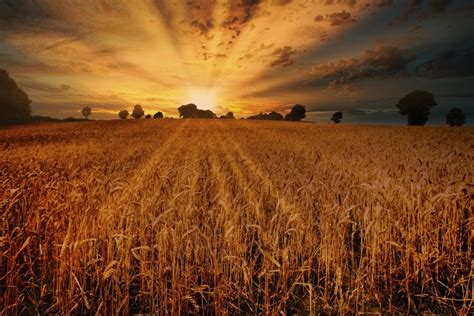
x: 231, y: 216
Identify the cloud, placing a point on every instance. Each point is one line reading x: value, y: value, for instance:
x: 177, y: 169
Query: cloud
x: 450, y: 63
x: 382, y: 62
x: 281, y: 2
x: 202, y: 28
x: 439, y: 5
x: 378, y: 4
x: 340, y: 18
x: 318, y: 18
x: 282, y: 57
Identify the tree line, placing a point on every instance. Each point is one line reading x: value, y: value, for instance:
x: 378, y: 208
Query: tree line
x: 15, y: 109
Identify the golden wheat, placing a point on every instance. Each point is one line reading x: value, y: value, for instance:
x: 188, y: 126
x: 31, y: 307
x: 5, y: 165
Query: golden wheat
x: 225, y: 217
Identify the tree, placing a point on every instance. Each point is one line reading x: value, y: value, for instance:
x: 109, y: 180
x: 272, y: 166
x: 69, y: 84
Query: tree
x: 417, y: 106
x: 86, y: 111
x: 272, y: 116
x: 138, y: 111
x: 14, y: 103
x: 158, y: 115
x: 187, y: 111
x: 228, y: 116
x: 337, y: 117
x: 456, y: 117
x: 123, y: 114
x: 148, y: 116
x: 207, y: 114
x: 191, y: 111
x: 297, y: 113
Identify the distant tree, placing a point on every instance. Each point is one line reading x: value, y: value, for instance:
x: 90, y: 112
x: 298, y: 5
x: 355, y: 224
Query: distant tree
x: 417, y: 106
x: 297, y: 113
x: 123, y: 114
x: 272, y: 116
x: 337, y: 117
x: 188, y: 110
x: 158, y: 115
x: 138, y: 111
x: 456, y: 117
x: 191, y: 111
x: 207, y: 114
x: 14, y: 103
x: 148, y: 116
x: 86, y: 111
x: 229, y: 116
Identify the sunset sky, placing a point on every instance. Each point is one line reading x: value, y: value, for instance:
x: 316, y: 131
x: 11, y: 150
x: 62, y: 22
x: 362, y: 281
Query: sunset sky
x: 245, y: 56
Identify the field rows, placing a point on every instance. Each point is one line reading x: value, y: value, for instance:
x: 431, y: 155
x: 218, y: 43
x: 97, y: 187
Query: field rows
x: 197, y: 216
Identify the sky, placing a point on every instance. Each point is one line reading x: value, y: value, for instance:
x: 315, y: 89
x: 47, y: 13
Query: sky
x: 246, y: 56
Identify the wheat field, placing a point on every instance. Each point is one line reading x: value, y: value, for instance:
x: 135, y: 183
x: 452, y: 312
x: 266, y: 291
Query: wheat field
x: 235, y: 217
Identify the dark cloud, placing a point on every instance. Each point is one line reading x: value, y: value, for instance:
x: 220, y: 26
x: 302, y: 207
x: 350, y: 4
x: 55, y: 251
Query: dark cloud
x: 439, y: 5
x: 378, y: 4
x: 281, y: 2
x: 339, y: 18
x: 318, y: 18
x: 446, y: 64
x: 424, y: 8
x: 382, y: 62
x: 282, y: 57
x: 350, y: 3
x: 202, y: 27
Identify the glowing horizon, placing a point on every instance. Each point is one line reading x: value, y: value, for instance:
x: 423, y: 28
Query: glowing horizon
x: 244, y: 56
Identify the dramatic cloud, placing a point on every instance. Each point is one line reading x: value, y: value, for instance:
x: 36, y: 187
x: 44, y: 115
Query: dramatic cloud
x: 382, y: 62
x: 339, y: 18
x: 244, y: 56
x: 439, y: 5
x: 450, y: 63
x: 282, y: 57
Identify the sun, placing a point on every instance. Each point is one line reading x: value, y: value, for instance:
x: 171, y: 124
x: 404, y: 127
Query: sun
x: 204, y: 98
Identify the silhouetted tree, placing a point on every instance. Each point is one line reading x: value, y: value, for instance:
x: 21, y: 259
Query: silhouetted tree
x: 191, y: 111
x: 297, y: 113
x: 272, y: 116
x: 337, y: 117
x: 14, y: 103
x: 148, y: 116
x: 229, y: 116
x: 456, y: 117
x: 207, y: 114
x: 187, y: 111
x: 123, y: 114
x: 86, y: 111
x: 417, y: 106
x: 158, y: 115
x: 137, y: 111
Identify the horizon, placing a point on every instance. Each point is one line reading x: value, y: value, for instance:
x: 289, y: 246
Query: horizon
x: 246, y: 57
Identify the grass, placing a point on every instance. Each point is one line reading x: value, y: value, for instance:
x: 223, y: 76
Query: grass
x: 218, y: 216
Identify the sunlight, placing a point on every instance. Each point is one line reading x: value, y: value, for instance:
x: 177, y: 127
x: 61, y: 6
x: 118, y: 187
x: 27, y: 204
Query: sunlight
x: 204, y: 98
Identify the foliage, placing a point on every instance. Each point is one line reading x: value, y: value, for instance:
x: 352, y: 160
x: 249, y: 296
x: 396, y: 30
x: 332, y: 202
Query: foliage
x: 229, y: 115
x: 297, y: 113
x: 138, y: 111
x: 191, y: 111
x: 456, y: 117
x: 123, y: 114
x: 337, y: 117
x: 86, y: 111
x: 14, y: 103
x: 272, y: 116
x: 417, y: 106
